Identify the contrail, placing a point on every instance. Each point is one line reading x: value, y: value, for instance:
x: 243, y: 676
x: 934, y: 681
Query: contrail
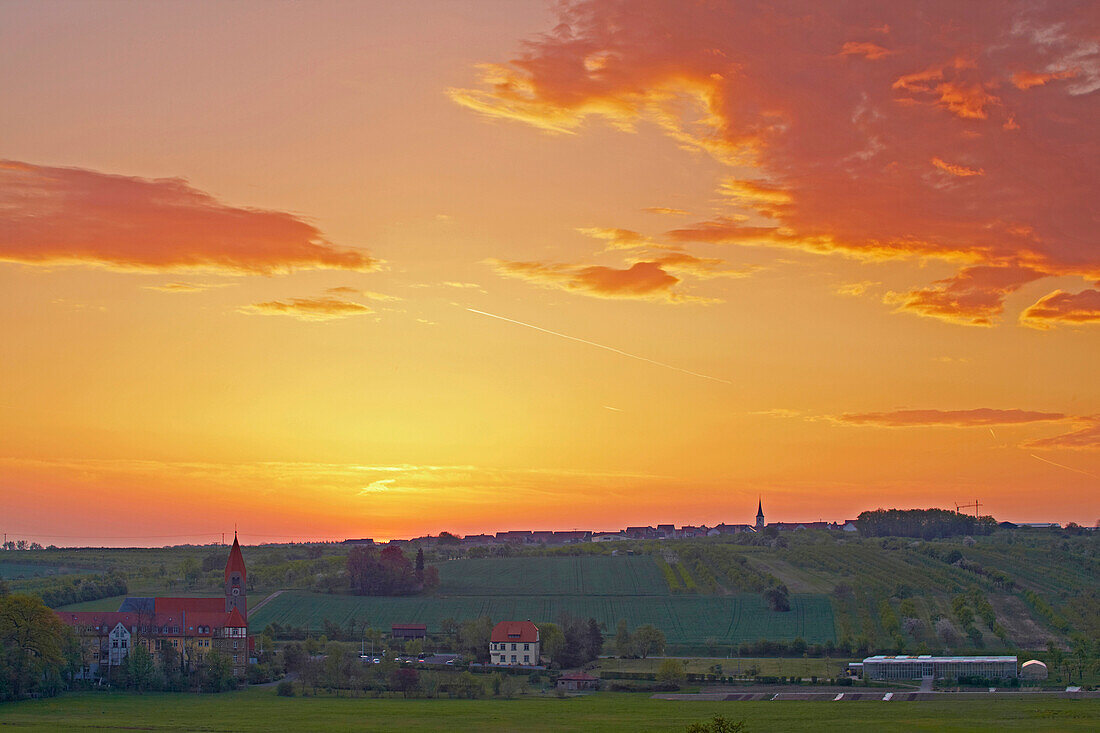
x: 605, y: 348
x: 1059, y: 465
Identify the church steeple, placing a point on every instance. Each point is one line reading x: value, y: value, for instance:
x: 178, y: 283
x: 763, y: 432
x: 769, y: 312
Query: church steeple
x: 759, y: 514
x: 235, y: 578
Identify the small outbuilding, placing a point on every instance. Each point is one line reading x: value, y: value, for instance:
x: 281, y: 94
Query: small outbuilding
x: 578, y: 681
x: 1033, y: 669
x: 409, y: 631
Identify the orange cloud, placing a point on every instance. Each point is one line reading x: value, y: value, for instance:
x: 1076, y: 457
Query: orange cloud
x: 702, y: 267
x: 58, y: 216
x: 184, y: 287
x: 974, y: 296
x: 1028, y: 79
x: 322, y: 308
x: 664, y: 210
x: 617, y: 238
x: 641, y: 281
x: 1061, y: 307
x: 957, y: 170
x: 837, y: 154
x: 871, y: 51
x: 1086, y: 438
x: 957, y: 418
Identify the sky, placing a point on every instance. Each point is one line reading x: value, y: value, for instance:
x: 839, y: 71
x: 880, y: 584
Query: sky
x: 336, y: 269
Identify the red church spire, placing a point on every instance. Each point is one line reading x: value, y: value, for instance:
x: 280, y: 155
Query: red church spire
x: 235, y: 562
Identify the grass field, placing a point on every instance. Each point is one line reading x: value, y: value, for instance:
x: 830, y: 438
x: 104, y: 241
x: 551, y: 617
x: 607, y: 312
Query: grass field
x: 634, y: 575
x: 261, y: 710
x: 684, y: 619
x: 772, y: 666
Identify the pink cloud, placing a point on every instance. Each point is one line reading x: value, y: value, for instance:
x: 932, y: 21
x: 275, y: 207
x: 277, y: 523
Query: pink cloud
x: 56, y: 216
x: 842, y: 147
x: 957, y: 418
x: 643, y: 280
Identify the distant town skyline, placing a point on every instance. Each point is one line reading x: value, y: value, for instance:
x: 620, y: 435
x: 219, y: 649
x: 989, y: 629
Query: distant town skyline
x: 327, y: 269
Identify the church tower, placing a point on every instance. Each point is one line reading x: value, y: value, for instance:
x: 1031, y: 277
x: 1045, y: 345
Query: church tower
x: 759, y: 516
x: 235, y: 580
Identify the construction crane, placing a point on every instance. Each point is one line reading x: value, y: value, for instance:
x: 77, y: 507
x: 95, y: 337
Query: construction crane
x: 973, y: 506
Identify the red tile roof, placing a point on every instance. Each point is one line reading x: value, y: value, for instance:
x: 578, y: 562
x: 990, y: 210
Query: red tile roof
x: 189, y: 605
x: 515, y: 631
x: 235, y: 618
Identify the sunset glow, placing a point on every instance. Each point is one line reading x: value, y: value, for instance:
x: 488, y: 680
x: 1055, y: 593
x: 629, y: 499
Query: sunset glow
x: 331, y: 270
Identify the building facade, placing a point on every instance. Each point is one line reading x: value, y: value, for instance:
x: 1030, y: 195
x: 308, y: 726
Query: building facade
x: 514, y: 643
x: 191, y: 626
x: 903, y: 667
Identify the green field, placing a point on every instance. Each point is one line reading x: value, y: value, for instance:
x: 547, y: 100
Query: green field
x: 550, y: 576
x: 9, y: 570
x: 260, y: 710
x: 684, y: 619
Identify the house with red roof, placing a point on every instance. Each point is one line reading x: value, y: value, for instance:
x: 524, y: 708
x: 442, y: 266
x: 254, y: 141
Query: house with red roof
x: 514, y: 643
x: 192, y: 627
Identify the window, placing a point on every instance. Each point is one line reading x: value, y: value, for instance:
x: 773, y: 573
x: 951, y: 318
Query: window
x: 513, y: 659
x: 513, y: 647
x: 234, y: 645
x: 114, y: 644
x: 526, y: 647
x: 235, y: 660
x: 526, y: 658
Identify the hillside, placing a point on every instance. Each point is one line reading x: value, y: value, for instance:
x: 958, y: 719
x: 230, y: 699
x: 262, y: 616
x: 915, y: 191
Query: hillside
x: 1009, y: 590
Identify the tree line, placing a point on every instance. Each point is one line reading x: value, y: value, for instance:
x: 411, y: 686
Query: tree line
x: 928, y: 524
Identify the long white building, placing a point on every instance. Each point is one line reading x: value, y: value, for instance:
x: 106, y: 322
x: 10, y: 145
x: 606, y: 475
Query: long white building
x: 903, y: 667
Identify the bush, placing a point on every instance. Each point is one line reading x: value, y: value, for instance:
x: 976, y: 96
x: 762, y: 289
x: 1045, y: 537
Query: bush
x: 285, y: 689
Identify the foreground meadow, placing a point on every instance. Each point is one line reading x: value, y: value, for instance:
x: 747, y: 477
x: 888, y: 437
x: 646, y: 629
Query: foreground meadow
x: 258, y: 709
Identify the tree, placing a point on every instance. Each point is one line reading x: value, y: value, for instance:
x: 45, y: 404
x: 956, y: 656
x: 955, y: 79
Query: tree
x: 217, y: 673
x: 595, y: 640
x: 467, y: 686
x: 171, y: 667
x: 624, y: 643
x: 388, y: 573
x: 294, y: 655
x: 334, y: 677
x: 473, y: 638
x: 777, y: 598
x: 648, y: 639
x: 190, y: 571
x: 672, y: 672
x: 140, y: 672
x: 404, y: 680
x: 718, y: 725
x: 1056, y: 656
x: 553, y: 642
x: 32, y: 640
x: 420, y: 562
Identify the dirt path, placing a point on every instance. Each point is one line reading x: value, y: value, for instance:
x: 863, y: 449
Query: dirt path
x: 261, y: 604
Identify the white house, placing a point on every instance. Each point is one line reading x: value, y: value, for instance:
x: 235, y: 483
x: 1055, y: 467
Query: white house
x: 514, y: 643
